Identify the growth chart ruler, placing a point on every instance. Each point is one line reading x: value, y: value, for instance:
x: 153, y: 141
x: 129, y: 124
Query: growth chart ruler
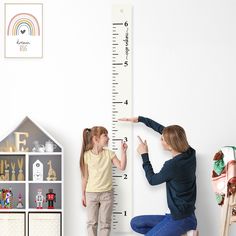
x: 122, y: 107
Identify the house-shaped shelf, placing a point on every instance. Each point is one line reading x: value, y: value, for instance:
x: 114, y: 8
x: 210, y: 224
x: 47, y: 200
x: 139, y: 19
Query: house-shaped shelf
x: 31, y: 160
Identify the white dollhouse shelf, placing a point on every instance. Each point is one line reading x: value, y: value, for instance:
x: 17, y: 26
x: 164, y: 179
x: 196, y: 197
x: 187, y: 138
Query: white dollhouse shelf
x: 20, y: 144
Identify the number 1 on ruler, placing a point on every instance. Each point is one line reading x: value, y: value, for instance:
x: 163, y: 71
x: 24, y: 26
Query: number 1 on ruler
x: 122, y: 107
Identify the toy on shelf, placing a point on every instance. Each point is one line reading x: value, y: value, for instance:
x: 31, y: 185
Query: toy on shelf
x: 50, y: 146
x: 39, y: 199
x: 38, y: 171
x: 2, y: 204
x: 2, y: 176
x: 6, y: 198
x: 50, y: 198
x: 19, y: 204
x: 20, y: 176
x: 8, y: 147
x: 38, y: 147
x: 7, y: 177
x: 13, y: 172
x: 51, y: 172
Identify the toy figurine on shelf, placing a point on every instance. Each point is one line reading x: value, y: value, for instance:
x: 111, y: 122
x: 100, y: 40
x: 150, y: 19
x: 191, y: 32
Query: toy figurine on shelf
x: 38, y: 171
x: 8, y: 197
x: 7, y: 177
x: 1, y: 199
x: 2, y: 176
x: 36, y: 146
x: 39, y: 199
x: 51, y: 172
x: 13, y: 172
x: 50, y: 146
x: 50, y: 198
x: 19, y: 204
x: 20, y: 176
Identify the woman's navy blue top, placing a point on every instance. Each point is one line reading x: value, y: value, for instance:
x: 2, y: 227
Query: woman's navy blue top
x: 179, y: 175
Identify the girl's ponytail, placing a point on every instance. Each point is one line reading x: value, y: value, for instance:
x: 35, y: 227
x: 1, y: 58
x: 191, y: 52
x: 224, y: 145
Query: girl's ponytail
x: 85, y: 147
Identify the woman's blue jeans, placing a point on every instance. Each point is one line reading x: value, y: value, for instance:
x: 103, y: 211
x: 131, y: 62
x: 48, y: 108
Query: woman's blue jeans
x: 163, y: 225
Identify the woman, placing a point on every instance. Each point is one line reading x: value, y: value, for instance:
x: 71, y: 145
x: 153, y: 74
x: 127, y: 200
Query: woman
x: 179, y: 175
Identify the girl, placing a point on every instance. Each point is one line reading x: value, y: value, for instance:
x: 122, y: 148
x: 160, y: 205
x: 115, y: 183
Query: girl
x: 179, y: 175
x: 96, y: 168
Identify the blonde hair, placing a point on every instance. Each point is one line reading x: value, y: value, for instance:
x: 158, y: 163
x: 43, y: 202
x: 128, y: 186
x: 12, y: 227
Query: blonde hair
x: 87, y: 143
x: 175, y: 136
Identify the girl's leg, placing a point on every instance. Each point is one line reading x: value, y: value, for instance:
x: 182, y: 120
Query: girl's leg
x: 143, y: 224
x: 171, y: 227
x: 106, y: 203
x: 92, y: 200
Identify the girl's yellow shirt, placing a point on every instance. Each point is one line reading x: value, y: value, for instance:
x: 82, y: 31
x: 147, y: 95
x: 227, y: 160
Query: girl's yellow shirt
x: 99, y: 170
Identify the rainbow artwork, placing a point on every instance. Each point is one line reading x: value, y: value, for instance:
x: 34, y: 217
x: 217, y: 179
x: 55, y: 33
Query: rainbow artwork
x: 23, y: 24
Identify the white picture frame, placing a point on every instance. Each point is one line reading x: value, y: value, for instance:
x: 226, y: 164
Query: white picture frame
x: 23, y: 30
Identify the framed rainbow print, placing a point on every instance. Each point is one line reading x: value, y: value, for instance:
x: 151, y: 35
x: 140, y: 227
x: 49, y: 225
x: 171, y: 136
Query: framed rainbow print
x: 23, y: 30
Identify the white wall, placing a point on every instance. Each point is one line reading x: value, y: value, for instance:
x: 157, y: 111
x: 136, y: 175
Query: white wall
x: 183, y: 72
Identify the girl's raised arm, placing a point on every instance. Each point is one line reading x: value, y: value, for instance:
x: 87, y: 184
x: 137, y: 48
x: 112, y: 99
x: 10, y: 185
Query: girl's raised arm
x: 121, y: 164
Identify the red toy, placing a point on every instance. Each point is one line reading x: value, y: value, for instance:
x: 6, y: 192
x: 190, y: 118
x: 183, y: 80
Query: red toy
x: 50, y: 198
